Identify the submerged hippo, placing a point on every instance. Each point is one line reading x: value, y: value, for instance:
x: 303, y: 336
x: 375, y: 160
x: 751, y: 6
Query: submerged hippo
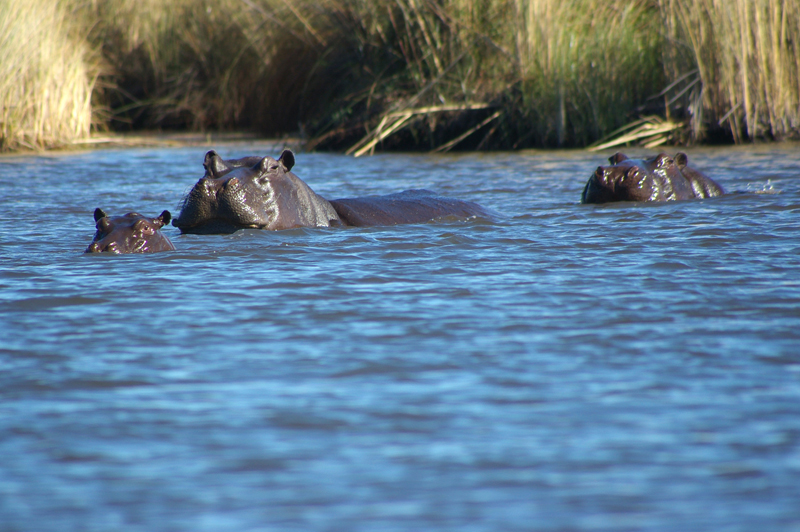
x: 131, y: 233
x: 661, y: 178
x: 262, y: 193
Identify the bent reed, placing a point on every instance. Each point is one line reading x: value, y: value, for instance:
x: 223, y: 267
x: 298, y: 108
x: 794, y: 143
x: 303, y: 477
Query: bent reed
x: 412, y: 74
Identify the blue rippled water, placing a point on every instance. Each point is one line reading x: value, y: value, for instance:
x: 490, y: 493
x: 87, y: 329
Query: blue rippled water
x: 563, y: 367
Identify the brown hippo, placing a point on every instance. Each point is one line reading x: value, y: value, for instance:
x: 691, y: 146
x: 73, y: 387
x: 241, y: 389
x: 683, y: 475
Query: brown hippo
x: 132, y: 233
x: 661, y: 178
x: 263, y: 193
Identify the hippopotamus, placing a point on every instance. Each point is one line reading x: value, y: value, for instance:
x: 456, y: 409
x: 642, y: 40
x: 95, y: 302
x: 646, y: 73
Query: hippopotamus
x: 263, y: 193
x: 131, y: 233
x: 661, y: 178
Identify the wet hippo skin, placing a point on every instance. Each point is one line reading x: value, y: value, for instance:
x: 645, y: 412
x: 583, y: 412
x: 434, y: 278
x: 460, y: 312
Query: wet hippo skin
x: 131, y: 233
x: 407, y: 207
x: 263, y: 193
x: 661, y: 178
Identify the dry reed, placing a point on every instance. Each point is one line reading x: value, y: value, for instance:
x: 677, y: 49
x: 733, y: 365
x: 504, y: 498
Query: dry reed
x: 748, y: 56
x: 47, y: 75
x: 501, y: 73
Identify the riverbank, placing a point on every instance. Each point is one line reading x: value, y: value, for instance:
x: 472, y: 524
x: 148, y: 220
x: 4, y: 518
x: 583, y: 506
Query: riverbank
x: 411, y: 74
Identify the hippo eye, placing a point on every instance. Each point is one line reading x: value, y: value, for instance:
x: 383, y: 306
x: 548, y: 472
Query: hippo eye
x: 143, y: 227
x: 273, y: 167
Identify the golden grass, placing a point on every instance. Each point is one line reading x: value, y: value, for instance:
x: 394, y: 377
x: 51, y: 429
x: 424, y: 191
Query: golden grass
x: 748, y: 56
x: 47, y: 75
x: 506, y: 73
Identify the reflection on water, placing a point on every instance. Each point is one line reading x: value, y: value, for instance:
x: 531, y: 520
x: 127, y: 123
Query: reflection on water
x: 615, y: 367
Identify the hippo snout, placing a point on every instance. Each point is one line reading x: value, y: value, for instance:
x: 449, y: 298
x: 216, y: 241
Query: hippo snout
x: 103, y: 246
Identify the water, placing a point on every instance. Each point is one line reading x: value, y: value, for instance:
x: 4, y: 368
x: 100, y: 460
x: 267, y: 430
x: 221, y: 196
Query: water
x: 564, y: 367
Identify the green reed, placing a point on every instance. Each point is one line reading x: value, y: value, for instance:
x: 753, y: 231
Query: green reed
x: 560, y: 73
x: 748, y: 56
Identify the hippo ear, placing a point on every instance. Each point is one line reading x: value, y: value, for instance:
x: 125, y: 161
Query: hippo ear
x: 214, y: 164
x: 99, y: 213
x: 663, y: 160
x: 163, y: 219
x: 287, y: 159
x: 617, y: 157
x: 681, y: 159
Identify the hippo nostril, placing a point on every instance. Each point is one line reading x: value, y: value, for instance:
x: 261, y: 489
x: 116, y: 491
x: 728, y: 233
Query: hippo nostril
x: 599, y: 172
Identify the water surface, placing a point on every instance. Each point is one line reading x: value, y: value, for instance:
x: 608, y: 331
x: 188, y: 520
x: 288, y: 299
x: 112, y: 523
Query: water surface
x: 563, y: 367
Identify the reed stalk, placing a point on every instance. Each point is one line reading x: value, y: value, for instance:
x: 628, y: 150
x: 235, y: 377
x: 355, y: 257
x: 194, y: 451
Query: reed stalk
x: 47, y: 76
x: 748, y: 55
x: 562, y: 73
x: 586, y: 65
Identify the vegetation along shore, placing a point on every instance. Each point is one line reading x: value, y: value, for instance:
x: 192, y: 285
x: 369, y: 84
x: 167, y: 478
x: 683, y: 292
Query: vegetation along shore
x: 366, y: 75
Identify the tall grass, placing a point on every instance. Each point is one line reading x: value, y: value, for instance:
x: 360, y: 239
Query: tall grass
x: 560, y: 73
x: 748, y: 56
x: 47, y: 76
x: 586, y: 65
x: 177, y: 63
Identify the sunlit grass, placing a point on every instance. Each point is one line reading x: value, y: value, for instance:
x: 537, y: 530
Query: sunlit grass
x: 586, y: 65
x: 47, y: 75
x: 560, y: 73
x: 748, y: 56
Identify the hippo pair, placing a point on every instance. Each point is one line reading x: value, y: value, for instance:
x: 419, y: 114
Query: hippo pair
x: 263, y: 193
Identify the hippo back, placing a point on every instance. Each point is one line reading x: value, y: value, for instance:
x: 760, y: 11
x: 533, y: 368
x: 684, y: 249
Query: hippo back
x: 407, y: 207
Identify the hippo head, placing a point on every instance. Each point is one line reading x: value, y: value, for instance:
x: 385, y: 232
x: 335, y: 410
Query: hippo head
x: 628, y: 179
x: 131, y: 233
x: 252, y: 192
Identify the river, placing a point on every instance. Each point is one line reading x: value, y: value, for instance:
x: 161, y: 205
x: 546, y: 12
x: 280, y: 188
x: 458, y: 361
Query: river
x: 561, y: 367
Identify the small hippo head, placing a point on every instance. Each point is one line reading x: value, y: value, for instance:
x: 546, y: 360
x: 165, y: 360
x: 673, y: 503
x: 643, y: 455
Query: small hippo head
x: 131, y: 233
x: 628, y: 179
x: 252, y: 192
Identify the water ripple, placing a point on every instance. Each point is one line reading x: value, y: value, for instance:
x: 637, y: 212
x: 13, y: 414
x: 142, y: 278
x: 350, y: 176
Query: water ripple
x: 561, y: 366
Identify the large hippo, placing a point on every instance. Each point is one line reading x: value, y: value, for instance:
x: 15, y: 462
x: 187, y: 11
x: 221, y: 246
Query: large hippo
x: 263, y: 193
x: 131, y: 233
x: 660, y: 178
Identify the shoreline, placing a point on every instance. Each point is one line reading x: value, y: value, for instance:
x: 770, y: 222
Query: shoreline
x: 158, y: 139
